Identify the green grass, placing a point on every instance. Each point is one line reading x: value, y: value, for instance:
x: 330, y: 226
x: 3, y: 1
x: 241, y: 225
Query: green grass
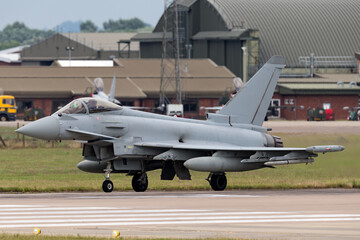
x: 43, y: 169
x: 44, y: 237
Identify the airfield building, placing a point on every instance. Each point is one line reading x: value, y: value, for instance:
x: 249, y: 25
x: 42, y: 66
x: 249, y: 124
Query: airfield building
x: 80, y: 46
x: 243, y: 34
x: 48, y: 87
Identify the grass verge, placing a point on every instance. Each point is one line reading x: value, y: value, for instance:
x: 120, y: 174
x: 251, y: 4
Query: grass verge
x: 44, y: 237
x: 43, y: 169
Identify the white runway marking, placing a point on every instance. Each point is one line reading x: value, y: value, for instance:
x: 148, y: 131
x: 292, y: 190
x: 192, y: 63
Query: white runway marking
x: 56, y: 208
x: 98, y: 211
x: 18, y: 206
x: 25, y: 217
x: 171, y: 196
x: 82, y: 220
x: 178, y: 222
x: 35, y: 216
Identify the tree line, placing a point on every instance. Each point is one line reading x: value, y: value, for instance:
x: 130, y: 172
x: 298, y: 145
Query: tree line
x: 121, y: 25
x: 17, y: 33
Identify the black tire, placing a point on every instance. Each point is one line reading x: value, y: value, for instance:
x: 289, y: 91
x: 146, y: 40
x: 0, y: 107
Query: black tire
x: 108, y: 186
x: 140, y: 182
x: 3, y: 118
x: 218, y: 182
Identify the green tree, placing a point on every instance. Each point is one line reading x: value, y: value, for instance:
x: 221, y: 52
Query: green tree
x: 6, y: 45
x: 88, y: 26
x: 19, y: 34
x: 124, y: 25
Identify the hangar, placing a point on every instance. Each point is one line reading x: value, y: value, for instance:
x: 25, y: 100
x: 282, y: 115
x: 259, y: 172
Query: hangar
x: 80, y: 46
x: 223, y: 30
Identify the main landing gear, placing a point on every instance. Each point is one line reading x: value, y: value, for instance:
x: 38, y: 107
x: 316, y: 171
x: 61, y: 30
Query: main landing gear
x: 217, y: 181
x: 140, y: 182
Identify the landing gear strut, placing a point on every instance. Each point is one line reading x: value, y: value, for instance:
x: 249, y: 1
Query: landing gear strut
x: 140, y: 182
x: 217, y: 181
x: 108, y: 185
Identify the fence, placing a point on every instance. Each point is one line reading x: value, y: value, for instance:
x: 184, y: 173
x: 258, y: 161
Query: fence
x: 11, y: 139
x: 329, y: 61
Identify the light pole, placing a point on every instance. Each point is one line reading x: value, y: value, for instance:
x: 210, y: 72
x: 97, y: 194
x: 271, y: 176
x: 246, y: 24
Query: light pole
x: 188, y: 48
x: 245, y: 64
x: 69, y: 49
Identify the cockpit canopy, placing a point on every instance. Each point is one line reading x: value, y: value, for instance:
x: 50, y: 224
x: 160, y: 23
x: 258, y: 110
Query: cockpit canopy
x: 88, y: 106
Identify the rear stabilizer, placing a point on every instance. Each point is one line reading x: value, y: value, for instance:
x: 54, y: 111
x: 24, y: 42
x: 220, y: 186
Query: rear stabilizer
x: 112, y: 90
x: 250, y: 104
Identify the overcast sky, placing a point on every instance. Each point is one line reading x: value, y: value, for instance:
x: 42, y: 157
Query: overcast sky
x: 47, y: 14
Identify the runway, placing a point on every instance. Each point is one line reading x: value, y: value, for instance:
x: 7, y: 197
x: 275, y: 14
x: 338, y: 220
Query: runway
x: 292, y: 214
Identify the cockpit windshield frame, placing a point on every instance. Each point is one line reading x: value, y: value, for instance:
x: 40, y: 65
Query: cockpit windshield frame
x: 88, y: 106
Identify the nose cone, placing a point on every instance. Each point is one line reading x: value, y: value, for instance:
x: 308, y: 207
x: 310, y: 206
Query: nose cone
x: 47, y: 128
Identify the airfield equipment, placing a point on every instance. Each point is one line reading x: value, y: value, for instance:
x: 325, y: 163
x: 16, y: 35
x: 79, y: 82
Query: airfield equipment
x: 7, y: 108
x: 172, y: 51
x: 117, y: 139
x: 33, y: 114
x: 99, y: 90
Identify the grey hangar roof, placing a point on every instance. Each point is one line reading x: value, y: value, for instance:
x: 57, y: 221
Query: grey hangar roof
x: 292, y: 28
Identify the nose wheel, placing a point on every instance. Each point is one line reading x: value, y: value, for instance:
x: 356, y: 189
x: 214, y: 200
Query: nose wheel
x: 107, y: 186
x: 217, y: 181
x: 140, y: 182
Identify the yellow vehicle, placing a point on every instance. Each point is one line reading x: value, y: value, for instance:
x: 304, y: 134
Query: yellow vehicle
x: 7, y: 108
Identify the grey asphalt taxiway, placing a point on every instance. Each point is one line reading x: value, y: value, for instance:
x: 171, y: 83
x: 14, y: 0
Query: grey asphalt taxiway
x: 257, y: 214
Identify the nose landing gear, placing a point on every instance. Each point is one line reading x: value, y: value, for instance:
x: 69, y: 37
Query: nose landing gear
x: 107, y: 185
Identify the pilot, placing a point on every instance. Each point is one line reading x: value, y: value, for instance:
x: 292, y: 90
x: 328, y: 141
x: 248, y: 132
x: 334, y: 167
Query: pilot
x: 76, y: 107
x: 92, y: 105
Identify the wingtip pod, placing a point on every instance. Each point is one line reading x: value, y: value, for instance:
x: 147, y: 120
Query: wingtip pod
x: 325, y: 149
x: 279, y: 60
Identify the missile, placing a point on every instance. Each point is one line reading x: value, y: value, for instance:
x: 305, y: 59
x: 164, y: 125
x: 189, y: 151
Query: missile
x: 325, y: 149
x: 287, y: 162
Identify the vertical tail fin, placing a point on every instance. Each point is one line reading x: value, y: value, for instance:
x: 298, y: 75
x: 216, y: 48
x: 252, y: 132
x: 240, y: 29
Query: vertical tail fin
x: 112, y: 90
x: 250, y: 104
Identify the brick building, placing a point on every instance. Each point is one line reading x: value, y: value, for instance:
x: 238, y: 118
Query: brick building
x: 336, y: 91
x: 138, y: 84
x: 204, y: 84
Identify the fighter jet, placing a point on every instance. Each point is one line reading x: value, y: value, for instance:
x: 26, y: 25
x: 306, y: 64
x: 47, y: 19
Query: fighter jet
x: 99, y: 90
x: 122, y: 140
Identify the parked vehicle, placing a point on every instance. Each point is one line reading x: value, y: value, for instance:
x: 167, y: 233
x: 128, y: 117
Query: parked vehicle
x: 7, y: 108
